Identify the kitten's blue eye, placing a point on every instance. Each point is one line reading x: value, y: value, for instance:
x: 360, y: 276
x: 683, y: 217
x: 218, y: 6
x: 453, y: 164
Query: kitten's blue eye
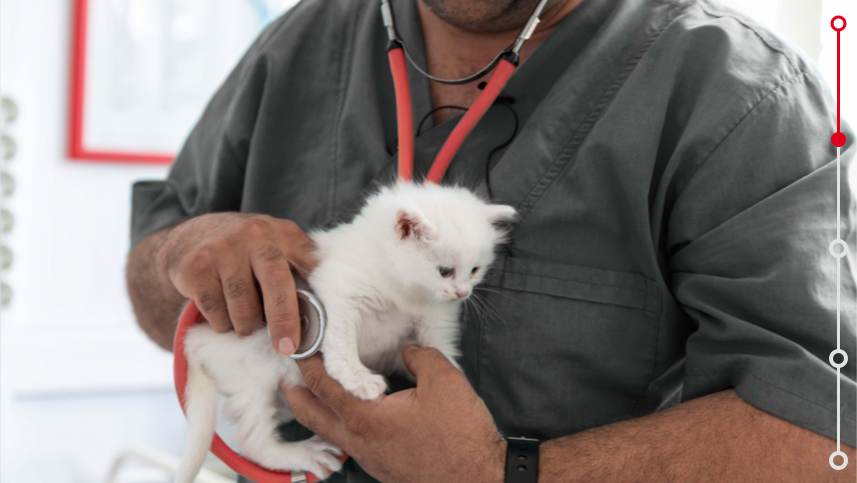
x: 446, y: 271
x: 475, y: 269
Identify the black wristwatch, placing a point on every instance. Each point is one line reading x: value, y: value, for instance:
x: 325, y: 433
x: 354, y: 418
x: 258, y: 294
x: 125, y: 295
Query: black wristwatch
x: 522, y: 460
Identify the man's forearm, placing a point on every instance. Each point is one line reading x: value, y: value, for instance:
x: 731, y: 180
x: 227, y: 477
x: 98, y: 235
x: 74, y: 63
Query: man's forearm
x: 156, y: 302
x: 714, y: 438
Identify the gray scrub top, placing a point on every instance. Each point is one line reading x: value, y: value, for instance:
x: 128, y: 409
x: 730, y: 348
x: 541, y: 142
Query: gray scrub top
x: 675, y: 180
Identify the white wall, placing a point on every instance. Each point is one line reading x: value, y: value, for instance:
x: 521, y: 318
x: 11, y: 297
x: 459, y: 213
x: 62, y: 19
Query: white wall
x: 79, y: 380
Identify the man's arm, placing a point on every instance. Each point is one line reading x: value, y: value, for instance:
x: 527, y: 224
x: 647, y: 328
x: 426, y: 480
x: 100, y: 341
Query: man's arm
x: 156, y: 302
x: 714, y: 438
x: 236, y: 267
x: 441, y: 431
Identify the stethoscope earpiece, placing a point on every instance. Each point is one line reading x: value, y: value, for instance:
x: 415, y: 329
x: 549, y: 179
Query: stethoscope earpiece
x: 515, y: 48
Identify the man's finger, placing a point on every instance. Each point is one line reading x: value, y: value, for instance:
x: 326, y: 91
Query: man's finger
x: 209, y: 300
x: 301, y: 254
x: 313, y: 413
x: 242, y: 299
x: 278, y: 294
x: 427, y: 364
x: 328, y: 389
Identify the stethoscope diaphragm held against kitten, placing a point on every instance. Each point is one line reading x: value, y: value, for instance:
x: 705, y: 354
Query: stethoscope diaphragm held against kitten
x: 313, y: 316
x: 313, y: 321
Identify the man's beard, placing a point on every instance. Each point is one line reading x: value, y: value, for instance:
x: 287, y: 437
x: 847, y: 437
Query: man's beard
x: 485, y: 16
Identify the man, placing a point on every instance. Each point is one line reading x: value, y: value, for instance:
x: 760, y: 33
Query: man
x: 669, y: 273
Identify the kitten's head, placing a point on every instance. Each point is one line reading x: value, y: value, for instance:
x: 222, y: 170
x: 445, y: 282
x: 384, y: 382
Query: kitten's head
x: 445, y: 238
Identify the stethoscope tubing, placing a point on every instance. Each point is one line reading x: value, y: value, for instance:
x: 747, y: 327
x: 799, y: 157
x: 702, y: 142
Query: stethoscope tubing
x: 404, y: 111
x: 504, y: 70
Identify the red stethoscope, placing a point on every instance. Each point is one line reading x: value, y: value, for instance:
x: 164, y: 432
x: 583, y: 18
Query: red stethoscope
x: 311, y: 309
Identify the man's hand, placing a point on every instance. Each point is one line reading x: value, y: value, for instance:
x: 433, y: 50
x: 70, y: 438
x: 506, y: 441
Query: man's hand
x: 438, y: 431
x: 223, y: 260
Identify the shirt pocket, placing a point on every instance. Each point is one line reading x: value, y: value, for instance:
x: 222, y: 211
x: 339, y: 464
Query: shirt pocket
x: 561, y: 348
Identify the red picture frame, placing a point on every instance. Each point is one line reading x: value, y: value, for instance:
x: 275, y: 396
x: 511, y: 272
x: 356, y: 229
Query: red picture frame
x: 77, y: 150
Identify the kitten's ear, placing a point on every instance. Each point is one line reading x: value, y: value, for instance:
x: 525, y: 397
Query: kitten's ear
x: 498, y: 213
x: 410, y: 223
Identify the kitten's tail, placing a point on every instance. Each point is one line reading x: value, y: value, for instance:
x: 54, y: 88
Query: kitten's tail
x: 201, y: 409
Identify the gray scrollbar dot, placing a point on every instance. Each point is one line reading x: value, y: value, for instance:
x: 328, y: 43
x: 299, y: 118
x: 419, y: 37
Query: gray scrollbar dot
x: 5, y: 294
x: 6, y: 257
x: 7, y: 221
x: 9, y: 109
x: 7, y: 184
x: 9, y: 146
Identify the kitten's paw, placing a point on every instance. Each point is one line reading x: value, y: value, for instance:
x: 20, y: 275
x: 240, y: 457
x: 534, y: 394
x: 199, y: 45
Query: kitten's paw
x: 319, y: 444
x: 321, y: 457
x: 365, y: 385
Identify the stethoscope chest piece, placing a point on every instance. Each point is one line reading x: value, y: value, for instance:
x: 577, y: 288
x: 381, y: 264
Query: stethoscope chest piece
x: 313, y: 323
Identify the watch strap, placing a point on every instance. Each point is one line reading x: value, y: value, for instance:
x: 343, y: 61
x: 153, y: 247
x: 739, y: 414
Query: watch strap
x: 522, y: 460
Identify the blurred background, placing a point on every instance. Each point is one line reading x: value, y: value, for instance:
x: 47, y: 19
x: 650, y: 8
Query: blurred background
x: 97, y: 94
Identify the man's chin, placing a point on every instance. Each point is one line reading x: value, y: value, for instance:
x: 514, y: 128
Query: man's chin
x: 483, y: 16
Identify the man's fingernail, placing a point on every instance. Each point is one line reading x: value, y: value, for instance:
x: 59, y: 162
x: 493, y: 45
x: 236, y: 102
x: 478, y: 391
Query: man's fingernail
x: 411, y: 348
x: 286, y: 347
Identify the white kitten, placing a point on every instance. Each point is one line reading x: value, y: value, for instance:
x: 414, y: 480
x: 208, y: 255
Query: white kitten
x: 396, y: 275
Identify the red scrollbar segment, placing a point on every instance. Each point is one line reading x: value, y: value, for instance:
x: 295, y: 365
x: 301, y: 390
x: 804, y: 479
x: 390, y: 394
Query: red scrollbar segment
x: 838, y: 138
x: 403, y: 113
x: 498, y: 79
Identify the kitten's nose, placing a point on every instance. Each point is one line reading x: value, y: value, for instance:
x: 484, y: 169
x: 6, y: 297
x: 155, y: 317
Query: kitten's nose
x: 462, y: 293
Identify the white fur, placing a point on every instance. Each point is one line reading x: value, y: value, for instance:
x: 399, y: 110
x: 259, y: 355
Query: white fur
x: 378, y: 278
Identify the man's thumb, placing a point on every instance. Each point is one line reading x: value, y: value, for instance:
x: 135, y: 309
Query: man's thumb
x: 425, y: 362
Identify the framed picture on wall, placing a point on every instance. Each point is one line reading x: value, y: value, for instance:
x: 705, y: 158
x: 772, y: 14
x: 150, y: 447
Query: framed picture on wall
x: 143, y: 70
